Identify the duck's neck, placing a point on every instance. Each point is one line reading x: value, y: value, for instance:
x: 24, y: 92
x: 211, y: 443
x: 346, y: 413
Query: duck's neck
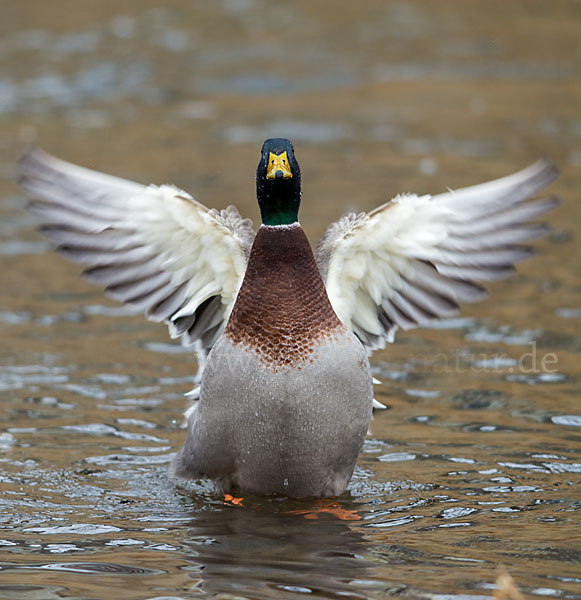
x: 282, y: 307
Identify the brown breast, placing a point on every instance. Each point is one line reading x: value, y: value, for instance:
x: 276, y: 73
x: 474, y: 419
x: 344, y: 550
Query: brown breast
x: 282, y: 308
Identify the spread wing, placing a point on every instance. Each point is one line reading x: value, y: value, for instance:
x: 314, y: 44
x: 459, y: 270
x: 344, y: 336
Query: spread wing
x: 416, y: 258
x: 154, y: 248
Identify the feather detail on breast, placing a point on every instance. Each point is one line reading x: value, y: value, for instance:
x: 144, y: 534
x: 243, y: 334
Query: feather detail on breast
x: 282, y: 308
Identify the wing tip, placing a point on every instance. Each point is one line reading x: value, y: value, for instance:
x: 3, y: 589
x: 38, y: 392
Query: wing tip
x: 28, y: 154
x: 552, y: 202
x: 479, y: 293
x: 544, y: 170
x: 548, y: 165
x: 32, y: 157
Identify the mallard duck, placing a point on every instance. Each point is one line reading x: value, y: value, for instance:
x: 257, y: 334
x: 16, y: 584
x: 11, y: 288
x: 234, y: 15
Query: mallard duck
x: 283, y: 334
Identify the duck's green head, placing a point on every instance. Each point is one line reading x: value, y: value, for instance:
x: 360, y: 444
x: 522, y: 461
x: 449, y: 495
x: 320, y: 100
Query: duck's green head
x: 278, y: 183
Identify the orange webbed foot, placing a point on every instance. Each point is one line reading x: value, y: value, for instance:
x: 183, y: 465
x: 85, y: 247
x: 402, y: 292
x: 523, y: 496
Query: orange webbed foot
x: 229, y: 499
x: 327, y: 506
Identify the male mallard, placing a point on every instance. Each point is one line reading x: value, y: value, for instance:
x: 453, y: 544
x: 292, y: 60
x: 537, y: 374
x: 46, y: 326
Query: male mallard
x: 286, y: 393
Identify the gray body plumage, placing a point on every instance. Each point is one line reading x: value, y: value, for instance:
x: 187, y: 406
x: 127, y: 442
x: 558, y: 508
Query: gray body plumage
x: 295, y: 432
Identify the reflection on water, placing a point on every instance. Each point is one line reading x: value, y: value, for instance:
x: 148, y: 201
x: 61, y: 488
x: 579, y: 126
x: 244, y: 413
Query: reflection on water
x: 291, y: 553
x: 475, y: 463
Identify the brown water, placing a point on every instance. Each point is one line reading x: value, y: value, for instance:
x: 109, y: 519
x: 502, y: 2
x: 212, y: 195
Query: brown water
x: 476, y: 463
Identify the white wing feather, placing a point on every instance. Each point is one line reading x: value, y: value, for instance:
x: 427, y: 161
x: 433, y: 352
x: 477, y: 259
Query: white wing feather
x: 416, y: 258
x: 152, y: 247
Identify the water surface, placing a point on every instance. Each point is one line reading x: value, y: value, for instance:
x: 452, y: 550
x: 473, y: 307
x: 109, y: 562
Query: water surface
x: 475, y: 464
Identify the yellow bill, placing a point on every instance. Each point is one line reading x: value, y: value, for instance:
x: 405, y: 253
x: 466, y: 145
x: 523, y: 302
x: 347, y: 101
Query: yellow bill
x: 276, y: 163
